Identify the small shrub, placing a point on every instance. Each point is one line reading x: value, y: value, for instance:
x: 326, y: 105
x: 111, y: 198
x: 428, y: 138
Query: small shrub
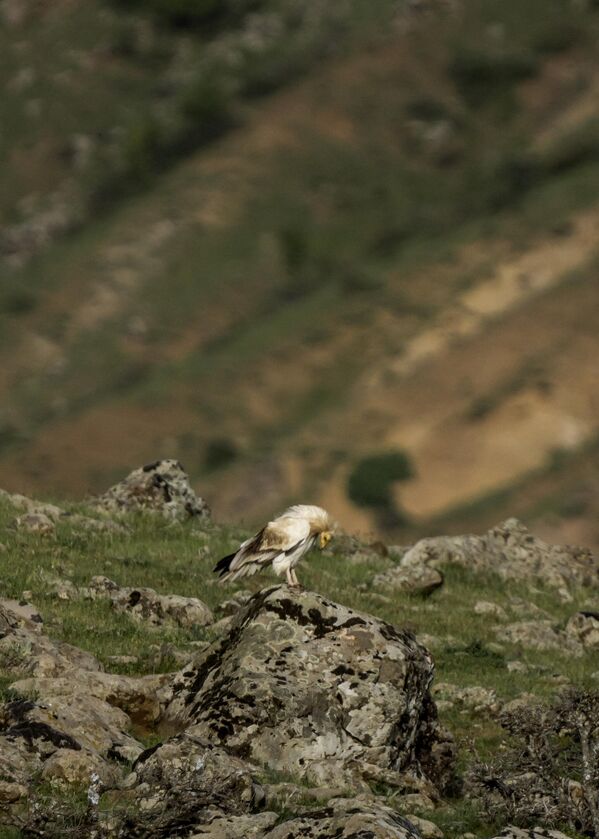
x: 203, y: 112
x: 206, y: 104
x: 371, y: 480
x: 427, y: 109
x: 551, y: 774
x: 295, y: 247
x: 131, y: 373
x: 481, y: 407
x: 480, y: 75
x: 18, y: 302
x: 176, y: 12
x: 356, y: 280
x: 307, y: 266
x: 219, y: 453
x: 194, y: 13
x: 140, y: 148
x: 575, y: 148
x: 11, y: 435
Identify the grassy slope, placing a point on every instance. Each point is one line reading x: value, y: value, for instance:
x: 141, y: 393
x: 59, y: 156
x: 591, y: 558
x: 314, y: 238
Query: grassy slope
x: 179, y: 558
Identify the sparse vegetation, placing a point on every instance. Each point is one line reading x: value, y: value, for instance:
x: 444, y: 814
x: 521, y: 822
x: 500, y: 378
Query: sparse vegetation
x: 219, y: 452
x: 372, y: 479
x: 190, y: 13
x: 340, y: 218
x: 17, y: 302
x: 481, y: 77
x: 310, y: 267
x: 178, y: 558
x: 551, y: 773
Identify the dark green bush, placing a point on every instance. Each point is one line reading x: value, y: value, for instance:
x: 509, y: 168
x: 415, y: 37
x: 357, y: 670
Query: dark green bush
x: 295, y: 247
x: 193, y: 13
x: 17, y: 302
x: 427, y: 109
x: 140, y: 148
x: 219, y: 452
x: 371, y: 479
x: 206, y: 105
x: 482, y: 74
x: 10, y: 436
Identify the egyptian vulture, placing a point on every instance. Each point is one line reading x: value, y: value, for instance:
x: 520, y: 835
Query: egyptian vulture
x: 283, y: 541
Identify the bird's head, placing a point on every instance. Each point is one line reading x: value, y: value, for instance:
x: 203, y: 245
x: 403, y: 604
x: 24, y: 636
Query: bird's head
x: 324, y: 539
x: 321, y: 524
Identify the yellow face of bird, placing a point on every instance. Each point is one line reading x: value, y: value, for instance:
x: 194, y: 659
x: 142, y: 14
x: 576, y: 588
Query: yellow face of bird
x: 324, y: 539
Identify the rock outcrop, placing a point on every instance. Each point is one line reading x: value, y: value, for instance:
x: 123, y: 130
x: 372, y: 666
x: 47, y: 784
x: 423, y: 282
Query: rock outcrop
x: 144, y: 604
x: 51, y: 669
x: 255, y: 826
x: 38, y: 517
x: 511, y: 551
x: 417, y: 578
x: 161, y: 487
x: 187, y: 782
x: 344, y: 818
x: 315, y: 689
x: 76, y: 724
x: 299, y: 684
x: 476, y: 700
x: 584, y: 628
x: 538, y: 635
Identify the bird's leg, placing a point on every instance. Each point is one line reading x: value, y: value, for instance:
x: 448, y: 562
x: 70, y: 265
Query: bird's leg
x: 290, y: 577
x: 296, y: 582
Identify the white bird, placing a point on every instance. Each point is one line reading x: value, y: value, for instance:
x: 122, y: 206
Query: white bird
x: 283, y: 541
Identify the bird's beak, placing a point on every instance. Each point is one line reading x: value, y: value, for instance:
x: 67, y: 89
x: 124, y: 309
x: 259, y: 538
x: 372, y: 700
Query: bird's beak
x: 325, y: 538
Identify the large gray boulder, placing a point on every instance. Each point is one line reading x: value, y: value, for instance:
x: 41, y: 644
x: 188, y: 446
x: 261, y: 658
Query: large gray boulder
x: 414, y: 579
x: 27, y: 652
x: 56, y: 672
x: 76, y: 722
x: 161, y: 487
x: 511, y: 551
x: 184, y: 783
x: 539, y: 635
x: 316, y: 690
x: 345, y: 818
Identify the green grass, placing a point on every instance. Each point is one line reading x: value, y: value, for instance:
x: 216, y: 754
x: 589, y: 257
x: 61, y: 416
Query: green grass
x: 116, y: 76
x: 10, y: 833
x: 167, y: 557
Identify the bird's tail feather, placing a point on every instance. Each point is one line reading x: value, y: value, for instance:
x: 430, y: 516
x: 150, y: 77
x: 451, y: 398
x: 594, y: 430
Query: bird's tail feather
x: 222, y: 567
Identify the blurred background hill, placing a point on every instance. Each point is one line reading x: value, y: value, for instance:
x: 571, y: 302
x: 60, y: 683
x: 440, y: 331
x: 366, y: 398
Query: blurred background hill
x: 344, y: 253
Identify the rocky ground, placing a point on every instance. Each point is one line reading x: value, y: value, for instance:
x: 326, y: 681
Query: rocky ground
x: 441, y: 689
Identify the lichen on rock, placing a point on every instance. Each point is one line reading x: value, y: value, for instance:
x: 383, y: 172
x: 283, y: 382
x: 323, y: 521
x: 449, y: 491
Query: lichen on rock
x: 511, y: 551
x: 146, y: 605
x: 312, y: 688
x: 161, y: 487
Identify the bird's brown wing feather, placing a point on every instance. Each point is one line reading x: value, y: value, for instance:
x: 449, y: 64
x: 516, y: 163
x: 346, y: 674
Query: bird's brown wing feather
x: 283, y: 535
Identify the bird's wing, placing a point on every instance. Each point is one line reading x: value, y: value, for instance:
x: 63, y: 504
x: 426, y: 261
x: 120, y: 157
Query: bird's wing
x: 285, y: 533
x: 281, y: 535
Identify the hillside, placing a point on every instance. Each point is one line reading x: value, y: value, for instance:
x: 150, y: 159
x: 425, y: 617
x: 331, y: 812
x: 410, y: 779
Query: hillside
x: 394, y: 250
x: 139, y: 697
